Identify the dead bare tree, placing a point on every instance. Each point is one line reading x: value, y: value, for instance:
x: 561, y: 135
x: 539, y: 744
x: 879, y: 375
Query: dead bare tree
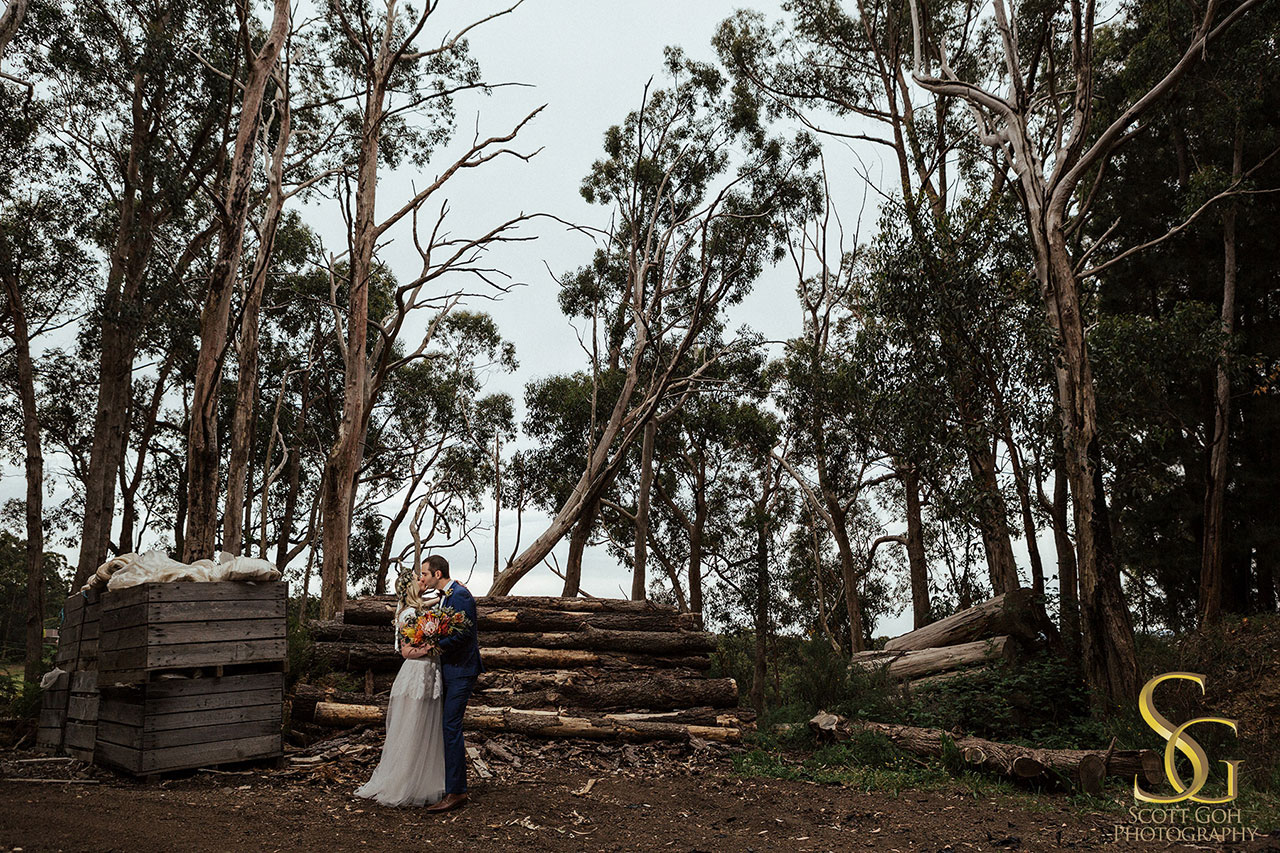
x: 395, y: 78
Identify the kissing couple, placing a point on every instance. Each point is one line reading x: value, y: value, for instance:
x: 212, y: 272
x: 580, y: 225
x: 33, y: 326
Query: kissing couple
x: 423, y: 758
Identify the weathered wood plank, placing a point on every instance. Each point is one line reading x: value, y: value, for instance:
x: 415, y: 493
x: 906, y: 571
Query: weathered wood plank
x: 212, y: 631
x: 83, y: 708
x: 191, y: 611
x: 154, y: 709
x: 190, y: 735
x: 198, y: 755
x: 190, y: 655
x: 171, y: 687
x: 80, y: 735
x: 84, y: 682
x: 269, y: 711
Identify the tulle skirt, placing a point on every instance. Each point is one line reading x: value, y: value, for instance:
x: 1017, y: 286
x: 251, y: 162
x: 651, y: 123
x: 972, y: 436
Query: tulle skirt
x: 411, y: 772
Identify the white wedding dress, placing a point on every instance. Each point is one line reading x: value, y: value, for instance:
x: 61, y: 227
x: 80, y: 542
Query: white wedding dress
x: 411, y: 772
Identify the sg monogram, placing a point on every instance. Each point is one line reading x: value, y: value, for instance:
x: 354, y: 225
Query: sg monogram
x: 1179, y: 740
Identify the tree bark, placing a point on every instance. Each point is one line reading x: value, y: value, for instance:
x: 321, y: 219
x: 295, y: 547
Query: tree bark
x: 913, y: 663
x: 1109, y: 656
x: 577, y: 547
x: 640, y: 557
x: 1068, y: 584
x: 1214, y: 545
x: 921, y: 608
x: 34, y: 466
x: 1013, y: 613
x: 992, y: 518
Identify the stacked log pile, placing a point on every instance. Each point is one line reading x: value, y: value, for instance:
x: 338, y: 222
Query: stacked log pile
x: 604, y: 669
x: 969, y: 641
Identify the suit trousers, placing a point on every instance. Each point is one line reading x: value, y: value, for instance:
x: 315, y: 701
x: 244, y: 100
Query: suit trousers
x: 456, y: 692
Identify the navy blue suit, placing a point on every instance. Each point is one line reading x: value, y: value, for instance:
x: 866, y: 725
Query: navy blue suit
x: 459, y: 665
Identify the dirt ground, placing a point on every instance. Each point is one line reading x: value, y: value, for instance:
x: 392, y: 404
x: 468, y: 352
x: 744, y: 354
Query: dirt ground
x: 698, y: 804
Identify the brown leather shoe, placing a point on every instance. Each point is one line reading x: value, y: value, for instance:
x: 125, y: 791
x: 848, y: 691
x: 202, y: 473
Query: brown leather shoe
x: 449, y: 803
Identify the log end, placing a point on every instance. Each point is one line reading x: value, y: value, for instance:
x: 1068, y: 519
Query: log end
x: 1026, y: 767
x: 1090, y: 773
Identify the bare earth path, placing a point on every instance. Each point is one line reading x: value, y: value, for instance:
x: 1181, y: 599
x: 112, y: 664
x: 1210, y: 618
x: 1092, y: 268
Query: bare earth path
x: 708, y: 810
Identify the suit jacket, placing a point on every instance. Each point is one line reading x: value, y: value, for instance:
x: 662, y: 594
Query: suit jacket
x: 460, y: 652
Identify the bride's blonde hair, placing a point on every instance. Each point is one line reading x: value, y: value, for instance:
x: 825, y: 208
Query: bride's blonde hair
x: 408, y: 591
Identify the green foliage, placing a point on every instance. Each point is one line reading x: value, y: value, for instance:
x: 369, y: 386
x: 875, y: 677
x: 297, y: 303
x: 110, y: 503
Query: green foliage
x: 13, y: 592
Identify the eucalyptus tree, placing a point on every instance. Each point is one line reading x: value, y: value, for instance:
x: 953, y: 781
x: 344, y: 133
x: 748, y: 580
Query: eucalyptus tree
x: 839, y: 71
x: 231, y: 211
x: 398, y: 96
x: 698, y: 192
x: 42, y: 270
x: 1032, y: 100
x: 1198, y: 290
x: 138, y: 93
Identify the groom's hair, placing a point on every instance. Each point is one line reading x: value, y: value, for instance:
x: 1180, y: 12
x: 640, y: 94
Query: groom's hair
x: 436, y: 563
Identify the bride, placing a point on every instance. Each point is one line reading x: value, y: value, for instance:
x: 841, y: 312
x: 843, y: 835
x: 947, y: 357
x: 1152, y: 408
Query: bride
x: 411, y: 771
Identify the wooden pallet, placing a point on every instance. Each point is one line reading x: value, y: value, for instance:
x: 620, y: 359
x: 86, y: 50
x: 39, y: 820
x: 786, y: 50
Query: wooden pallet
x: 158, y: 627
x: 179, y: 723
x: 82, y: 715
x: 53, y: 714
x: 79, y: 634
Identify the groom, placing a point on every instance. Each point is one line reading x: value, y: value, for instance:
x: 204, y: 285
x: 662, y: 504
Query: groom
x: 459, y: 666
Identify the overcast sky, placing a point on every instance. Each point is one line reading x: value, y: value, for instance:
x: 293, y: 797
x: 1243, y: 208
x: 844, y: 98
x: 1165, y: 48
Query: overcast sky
x: 588, y: 61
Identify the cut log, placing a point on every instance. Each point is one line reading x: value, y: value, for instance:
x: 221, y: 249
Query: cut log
x: 655, y: 693
x: 626, y: 727
x: 942, y: 677
x: 529, y: 619
x: 381, y: 657
x: 342, y: 715
x: 608, y: 727
x: 379, y: 609
x: 1012, y: 614
x: 584, y: 637
x: 1083, y: 768
x: 305, y: 697
x: 914, y: 664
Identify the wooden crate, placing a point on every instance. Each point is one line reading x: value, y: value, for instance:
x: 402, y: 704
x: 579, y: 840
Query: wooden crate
x: 157, y: 627
x: 53, y: 714
x: 80, y: 630
x: 178, y: 723
x: 82, y: 715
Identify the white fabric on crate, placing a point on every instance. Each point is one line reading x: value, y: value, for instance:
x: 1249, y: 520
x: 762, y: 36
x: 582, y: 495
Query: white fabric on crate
x: 129, y: 570
x: 411, y: 771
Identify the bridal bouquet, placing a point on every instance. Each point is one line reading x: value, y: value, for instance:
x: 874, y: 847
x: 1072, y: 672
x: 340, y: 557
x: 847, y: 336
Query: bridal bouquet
x: 428, y: 627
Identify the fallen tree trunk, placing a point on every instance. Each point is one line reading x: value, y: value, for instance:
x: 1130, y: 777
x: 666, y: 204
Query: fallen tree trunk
x: 627, y: 727
x: 586, y: 637
x: 381, y: 657
x: 379, y: 609
x: 942, y: 677
x: 655, y: 693
x: 905, y: 665
x: 1012, y: 614
x: 1083, y: 768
